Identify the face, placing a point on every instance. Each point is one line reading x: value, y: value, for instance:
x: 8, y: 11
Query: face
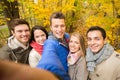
x: 95, y: 41
x: 22, y: 33
x: 39, y: 36
x: 74, y: 44
x: 58, y: 27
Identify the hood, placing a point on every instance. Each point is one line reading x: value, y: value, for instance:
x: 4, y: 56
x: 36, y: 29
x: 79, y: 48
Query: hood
x: 13, y: 43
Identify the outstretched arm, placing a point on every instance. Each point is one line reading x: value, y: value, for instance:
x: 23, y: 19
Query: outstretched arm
x: 13, y: 71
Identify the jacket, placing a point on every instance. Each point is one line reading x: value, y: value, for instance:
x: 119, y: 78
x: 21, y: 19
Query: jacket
x: 15, y: 51
x: 54, y: 58
x: 34, y: 58
x: 78, y: 71
x: 108, y: 69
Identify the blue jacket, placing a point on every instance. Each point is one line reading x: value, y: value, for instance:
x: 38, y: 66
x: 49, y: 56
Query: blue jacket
x: 54, y: 57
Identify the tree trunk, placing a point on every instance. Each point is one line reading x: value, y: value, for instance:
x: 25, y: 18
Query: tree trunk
x: 10, y: 10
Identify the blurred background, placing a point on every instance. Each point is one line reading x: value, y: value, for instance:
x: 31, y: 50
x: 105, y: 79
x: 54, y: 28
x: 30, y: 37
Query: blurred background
x: 80, y: 15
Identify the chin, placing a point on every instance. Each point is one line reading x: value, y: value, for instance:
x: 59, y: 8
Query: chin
x: 94, y: 51
x: 59, y: 37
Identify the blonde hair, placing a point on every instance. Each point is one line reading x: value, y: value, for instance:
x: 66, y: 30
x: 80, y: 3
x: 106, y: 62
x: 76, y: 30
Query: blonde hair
x: 82, y: 42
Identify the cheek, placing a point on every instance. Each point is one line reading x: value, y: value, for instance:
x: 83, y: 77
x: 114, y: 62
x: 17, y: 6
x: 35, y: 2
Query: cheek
x: 44, y: 38
x: 36, y: 39
x: 77, y: 47
x: 28, y: 33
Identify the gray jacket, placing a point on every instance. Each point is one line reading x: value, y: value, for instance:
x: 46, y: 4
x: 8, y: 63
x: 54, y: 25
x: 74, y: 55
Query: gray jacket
x: 78, y: 71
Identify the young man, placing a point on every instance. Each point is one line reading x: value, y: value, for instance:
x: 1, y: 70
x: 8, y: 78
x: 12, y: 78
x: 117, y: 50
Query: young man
x: 17, y: 48
x: 55, y: 49
x: 103, y: 62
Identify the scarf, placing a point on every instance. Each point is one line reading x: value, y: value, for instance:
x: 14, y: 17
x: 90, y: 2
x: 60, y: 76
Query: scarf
x: 93, y: 60
x: 73, y: 57
x: 37, y: 47
x: 13, y: 43
x: 18, y: 52
x: 63, y: 41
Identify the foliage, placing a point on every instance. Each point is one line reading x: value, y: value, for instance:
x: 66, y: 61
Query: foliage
x: 2, y: 20
x: 4, y: 33
x: 39, y: 14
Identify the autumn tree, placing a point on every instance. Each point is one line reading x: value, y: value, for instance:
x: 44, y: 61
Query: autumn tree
x: 10, y: 10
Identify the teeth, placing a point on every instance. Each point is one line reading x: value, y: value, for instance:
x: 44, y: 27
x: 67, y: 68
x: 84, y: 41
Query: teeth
x: 59, y: 33
x: 72, y: 48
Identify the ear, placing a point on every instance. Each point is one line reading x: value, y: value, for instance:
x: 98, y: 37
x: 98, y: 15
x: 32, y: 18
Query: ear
x: 105, y: 40
x: 50, y: 27
x: 12, y: 32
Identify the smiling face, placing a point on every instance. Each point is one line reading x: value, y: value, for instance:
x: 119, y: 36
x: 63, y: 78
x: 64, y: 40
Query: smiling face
x: 22, y: 33
x: 39, y: 36
x: 95, y: 41
x: 58, y: 27
x: 74, y: 44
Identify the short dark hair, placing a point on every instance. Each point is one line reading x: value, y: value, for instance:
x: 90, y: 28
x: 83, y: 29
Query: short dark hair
x: 57, y: 15
x: 17, y: 21
x: 37, y: 27
x: 94, y: 28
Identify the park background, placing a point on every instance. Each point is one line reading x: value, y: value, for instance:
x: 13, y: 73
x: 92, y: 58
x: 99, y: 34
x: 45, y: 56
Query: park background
x: 80, y: 15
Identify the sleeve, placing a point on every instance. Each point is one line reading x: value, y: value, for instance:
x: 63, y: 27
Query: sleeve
x: 49, y: 56
x: 50, y: 60
x: 33, y: 61
x: 4, y: 54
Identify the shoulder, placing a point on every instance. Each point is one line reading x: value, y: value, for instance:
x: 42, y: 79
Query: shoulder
x: 33, y: 53
x: 51, y: 41
x: 116, y: 55
x: 67, y: 35
x: 4, y: 52
x: 81, y: 61
x: 5, y: 49
x: 114, y: 59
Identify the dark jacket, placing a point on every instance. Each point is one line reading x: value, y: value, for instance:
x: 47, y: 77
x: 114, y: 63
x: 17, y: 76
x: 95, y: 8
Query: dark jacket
x: 15, y: 52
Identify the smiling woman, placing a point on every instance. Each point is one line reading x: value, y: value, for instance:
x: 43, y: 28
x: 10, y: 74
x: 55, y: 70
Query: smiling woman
x: 23, y: 72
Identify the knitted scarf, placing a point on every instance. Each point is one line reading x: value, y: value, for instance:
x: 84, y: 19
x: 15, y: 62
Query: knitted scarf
x: 93, y: 60
x: 37, y: 47
x: 72, y: 58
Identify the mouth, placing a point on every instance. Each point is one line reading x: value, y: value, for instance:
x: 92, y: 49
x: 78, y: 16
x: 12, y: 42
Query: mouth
x: 94, y: 48
x: 25, y: 38
x: 72, y: 49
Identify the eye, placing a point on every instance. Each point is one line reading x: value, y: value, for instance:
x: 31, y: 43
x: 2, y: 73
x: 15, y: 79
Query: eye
x: 42, y: 35
x: 27, y: 30
x: 19, y: 31
x: 97, y: 38
x: 56, y: 26
x: 70, y: 41
x: 76, y: 42
x: 62, y: 26
x: 89, y: 39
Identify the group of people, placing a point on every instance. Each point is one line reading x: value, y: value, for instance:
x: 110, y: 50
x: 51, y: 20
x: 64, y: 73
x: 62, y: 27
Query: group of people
x: 64, y: 56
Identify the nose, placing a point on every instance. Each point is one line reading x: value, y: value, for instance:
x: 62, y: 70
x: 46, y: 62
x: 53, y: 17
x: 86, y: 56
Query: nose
x: 71, y: 44
x: 24, y: 32
x: 40, y: 38
x: 59, y: 28
x: 92, y: 42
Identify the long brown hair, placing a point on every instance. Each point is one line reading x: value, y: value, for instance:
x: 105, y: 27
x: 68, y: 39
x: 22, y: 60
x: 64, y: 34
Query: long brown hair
x: 82, y: 42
